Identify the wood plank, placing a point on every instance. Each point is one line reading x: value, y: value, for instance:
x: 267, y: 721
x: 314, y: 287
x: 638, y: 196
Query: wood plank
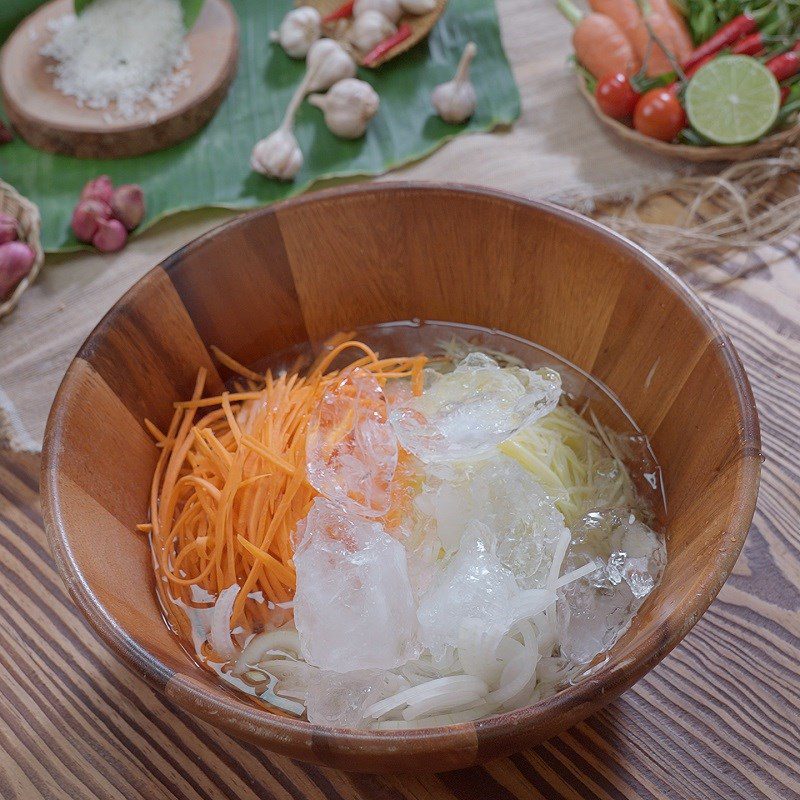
x: 717, y: 718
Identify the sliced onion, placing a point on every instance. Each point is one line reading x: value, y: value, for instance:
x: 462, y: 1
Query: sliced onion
x: 520, y: 673
x: 477, y: 649
x: 558, y: 557
x: 531, y: 602
x: 576, y: 574
x: 281, y: 702
x: 220, y: 633
x: 454, y: 685
x: 450, y: 701
x: 285, y: 642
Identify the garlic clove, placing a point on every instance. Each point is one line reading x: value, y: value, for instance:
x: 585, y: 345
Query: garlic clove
x: 348, y: 107
x: 328, y: 62
x: 299, y: 29
x: 278, y: 156
x: 456, y: 100
x: 418, y: 6
x: 391, y: 9
x: 370, y: 29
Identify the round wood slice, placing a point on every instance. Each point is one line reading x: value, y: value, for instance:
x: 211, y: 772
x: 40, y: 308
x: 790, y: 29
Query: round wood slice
x: 745, y: 152
x: 49, y: 120
x: 421, y: 25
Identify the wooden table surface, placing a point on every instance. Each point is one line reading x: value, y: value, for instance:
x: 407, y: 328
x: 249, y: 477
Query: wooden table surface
x: 718, y: 718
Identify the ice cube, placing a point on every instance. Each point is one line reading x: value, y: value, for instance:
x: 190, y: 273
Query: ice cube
x: 353, y: 606
x: 473, y: 584
x: 351, y: 450
x: 465, y: 413
x: 596, y: 610
x: 340, y: 698
x: 503, y: 496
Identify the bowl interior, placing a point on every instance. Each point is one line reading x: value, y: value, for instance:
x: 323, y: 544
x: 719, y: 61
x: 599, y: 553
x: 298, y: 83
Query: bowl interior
x: 356, y: 257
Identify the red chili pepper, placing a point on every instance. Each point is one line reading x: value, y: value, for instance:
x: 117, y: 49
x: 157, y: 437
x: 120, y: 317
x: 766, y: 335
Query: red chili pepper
x: 752, y: 45
x: 786, y: 64
x: 740, y: 26
x: 785, y: 91
x: 345, y: 10
x: 381, y: 49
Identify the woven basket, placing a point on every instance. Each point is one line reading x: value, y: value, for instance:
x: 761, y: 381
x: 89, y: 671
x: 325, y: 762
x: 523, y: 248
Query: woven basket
x: 771, y: 144
x: 27, y: 215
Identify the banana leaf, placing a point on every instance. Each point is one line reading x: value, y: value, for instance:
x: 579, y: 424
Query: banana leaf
x: 212, y: 169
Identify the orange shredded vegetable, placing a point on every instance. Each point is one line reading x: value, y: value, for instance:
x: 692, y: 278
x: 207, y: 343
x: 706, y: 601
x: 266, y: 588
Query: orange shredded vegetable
x: 230, y: 483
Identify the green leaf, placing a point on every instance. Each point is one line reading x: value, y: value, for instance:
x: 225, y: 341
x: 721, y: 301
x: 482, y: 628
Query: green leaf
x: 212, y: 168
x: 191, y: 10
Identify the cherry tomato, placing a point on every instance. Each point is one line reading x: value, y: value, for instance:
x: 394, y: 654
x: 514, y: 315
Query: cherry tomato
x: 615, y: 96
x: 659, y: 115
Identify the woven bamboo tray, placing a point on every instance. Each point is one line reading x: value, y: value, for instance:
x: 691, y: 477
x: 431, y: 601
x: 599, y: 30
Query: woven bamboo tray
x: 27, y: 215
x: 421, y: 26
x: 770, y: 144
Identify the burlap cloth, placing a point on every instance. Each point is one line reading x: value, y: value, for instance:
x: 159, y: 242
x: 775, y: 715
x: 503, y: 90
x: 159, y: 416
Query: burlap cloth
x: 557, y: 150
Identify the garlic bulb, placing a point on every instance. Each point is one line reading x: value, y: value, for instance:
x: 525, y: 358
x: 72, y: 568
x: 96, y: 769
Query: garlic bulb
x: 369, y: 29
x: 389, y: 8
x: 348, y: 107
x: 417, y: 6
x: 299, y: 29
x: 327, y: 62
x: 278, y: 156
x: 455, y: 100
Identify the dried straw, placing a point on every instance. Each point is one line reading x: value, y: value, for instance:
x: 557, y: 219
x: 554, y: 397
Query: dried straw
x: 748, y: 204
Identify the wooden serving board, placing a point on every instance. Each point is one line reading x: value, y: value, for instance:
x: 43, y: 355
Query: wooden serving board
x: 49, y: 120
x: 421, y: 25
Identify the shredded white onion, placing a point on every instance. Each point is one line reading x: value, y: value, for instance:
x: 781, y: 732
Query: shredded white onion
x: 439, y: 688
x: 220, y: 634
x: 284, y: 642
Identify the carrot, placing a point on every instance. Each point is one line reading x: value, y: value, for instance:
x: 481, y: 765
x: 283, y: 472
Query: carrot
x: 680, y: 38
x: 625, y: 13
x: 647, y: 50
x: 600, y: 44
x: 230, y: 486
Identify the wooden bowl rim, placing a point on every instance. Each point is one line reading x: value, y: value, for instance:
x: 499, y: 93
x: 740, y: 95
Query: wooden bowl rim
x: 284, y: 734
x: 770, y: 144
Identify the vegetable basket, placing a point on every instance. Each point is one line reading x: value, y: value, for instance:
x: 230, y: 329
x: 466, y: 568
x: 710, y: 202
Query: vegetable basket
x: 27, y: 215
x: 766, y: 146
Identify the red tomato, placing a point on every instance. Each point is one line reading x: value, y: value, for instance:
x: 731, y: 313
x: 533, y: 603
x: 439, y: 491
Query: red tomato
x: 615, y: 96
x: 659, y: 115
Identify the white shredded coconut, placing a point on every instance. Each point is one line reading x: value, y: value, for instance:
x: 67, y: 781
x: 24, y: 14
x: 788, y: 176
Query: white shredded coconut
x: 120, y: 55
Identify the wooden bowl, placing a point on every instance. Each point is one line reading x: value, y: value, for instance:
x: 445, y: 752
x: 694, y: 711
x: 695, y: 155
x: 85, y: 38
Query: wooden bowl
x: 421, y: 25
x: 764, y: 147
x: 331, y: 261
x: 51, y: 121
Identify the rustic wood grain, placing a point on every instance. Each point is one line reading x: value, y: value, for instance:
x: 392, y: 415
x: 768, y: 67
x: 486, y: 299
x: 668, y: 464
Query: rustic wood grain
x: 345, y: 258
x: 716, y: 719
x: 49, y: 120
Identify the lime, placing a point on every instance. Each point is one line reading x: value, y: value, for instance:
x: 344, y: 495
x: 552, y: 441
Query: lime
x: 732, y: 100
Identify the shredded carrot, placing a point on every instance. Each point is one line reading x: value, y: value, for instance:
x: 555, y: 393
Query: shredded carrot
x: 230, y: 486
